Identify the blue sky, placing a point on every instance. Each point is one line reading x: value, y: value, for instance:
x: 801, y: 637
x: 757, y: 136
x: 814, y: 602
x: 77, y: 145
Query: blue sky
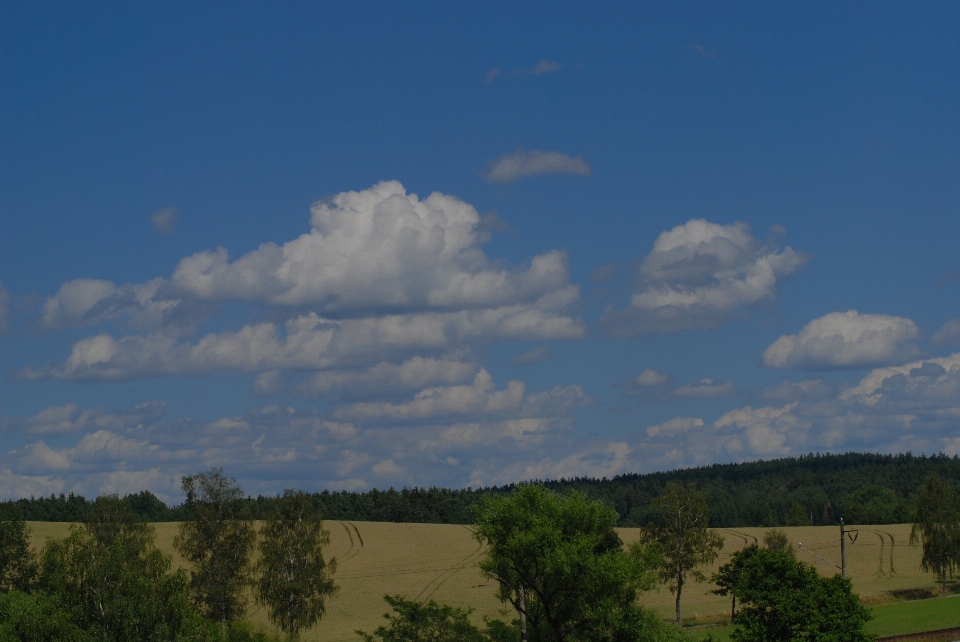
x: 384, y: 244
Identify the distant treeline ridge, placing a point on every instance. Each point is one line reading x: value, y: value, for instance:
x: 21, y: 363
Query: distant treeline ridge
x: 813, y: 489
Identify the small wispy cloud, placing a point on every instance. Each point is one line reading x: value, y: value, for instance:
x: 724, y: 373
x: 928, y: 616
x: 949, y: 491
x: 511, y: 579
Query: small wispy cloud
x: 492, y: 74
x: 164, y: 220
x: 703, y: 52
x: 949, y: 277
x: 531, y: 357
x: 543, y: 67
x: 521, y: 163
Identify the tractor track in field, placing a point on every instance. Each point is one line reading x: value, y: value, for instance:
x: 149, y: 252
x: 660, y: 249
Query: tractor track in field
x: 434, y: 584
x: 744, y: 536
x: 354, y: 550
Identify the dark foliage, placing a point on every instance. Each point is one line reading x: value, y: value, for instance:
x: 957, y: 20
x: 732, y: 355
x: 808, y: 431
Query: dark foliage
x: 815, y: 489
x: 785, y: 600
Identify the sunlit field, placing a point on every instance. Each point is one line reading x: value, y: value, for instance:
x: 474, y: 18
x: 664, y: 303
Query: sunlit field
x: 423, y: 561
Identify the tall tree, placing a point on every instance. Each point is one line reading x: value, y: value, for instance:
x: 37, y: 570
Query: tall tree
x: 937, y: 527
x: 217, y: 541
x: 558, y: 560
x: 294, y: 580
x: 18, y: 565
x: 680, y: 536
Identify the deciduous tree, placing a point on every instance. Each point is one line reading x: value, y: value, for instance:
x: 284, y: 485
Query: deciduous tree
x: 937, y: 527
x: 558, y: 560
x: 294, y: 580
x: 217, y: 542
x: 783, y: 600
x: 114, y: 582
x: 18, y: 565
x: 680, y: 537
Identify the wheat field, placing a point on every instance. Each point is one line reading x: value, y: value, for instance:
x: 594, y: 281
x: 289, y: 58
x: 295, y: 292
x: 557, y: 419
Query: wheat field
x: 439, y: 561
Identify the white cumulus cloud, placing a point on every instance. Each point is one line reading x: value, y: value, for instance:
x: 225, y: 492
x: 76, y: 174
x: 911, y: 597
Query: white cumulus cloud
x: 846, y: 340
x: 377, y: 250
x: 381, y: 278
x: 699, y: 275
x: 522, y: 163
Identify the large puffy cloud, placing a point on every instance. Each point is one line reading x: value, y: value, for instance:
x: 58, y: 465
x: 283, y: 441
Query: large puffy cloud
x: 379, y: 249
x: 846, y: 340
x: 522, y: 163
x: 382, y: 277
x: 699, y: 275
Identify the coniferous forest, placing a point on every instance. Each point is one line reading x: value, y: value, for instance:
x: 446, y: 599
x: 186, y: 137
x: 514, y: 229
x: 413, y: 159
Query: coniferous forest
x: 813, y: 489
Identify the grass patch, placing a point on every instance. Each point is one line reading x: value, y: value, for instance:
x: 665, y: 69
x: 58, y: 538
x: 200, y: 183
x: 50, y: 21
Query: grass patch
x: 914, y: 617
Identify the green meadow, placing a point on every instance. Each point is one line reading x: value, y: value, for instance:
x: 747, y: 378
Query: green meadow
x: 438, y: 561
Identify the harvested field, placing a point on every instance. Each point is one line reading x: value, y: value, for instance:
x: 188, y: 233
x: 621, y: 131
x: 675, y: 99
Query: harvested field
x: 438, y: 561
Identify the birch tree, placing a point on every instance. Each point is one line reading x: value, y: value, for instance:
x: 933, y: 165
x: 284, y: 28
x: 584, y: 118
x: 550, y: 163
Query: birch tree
x: 294, y: 580
x: 217, y: 542
x: 680, y: 537
x: 937, y: 528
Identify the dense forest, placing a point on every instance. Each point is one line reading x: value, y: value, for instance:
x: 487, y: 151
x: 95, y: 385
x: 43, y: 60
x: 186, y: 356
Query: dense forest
x: 813, y: 489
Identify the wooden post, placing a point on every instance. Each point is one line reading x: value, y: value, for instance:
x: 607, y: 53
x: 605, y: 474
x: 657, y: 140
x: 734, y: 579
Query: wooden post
x: 843, y: 551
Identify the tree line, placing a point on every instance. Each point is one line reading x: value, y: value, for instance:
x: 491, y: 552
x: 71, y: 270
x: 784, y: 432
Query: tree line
x: 555, y: 558
x: 813, y: 490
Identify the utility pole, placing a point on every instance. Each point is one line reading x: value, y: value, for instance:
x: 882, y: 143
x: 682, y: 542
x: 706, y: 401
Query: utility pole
x: 843, y: 551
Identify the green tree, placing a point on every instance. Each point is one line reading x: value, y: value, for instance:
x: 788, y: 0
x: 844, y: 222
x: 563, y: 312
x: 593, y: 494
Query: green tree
x: 558, y: 560
x: 798, y: 515
x: 424, y: 622
x: 727, y: 578
x: 18, y: 565
x: 217, y: 541
x: 777, y: 540
x: 36, y: 618
x: 783, y: 600
x: 680, y: 537
x: 874, y: 504
x: 294, y: 580
x: 113, y: 581
x: 937, y: 527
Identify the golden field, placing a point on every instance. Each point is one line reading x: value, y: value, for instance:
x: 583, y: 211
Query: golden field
x: 438, y: 561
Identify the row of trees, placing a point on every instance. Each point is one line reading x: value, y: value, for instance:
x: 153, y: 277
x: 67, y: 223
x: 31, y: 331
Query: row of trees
x: 556, y: 559
x: 107, y: 580
x: 810, y: 490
